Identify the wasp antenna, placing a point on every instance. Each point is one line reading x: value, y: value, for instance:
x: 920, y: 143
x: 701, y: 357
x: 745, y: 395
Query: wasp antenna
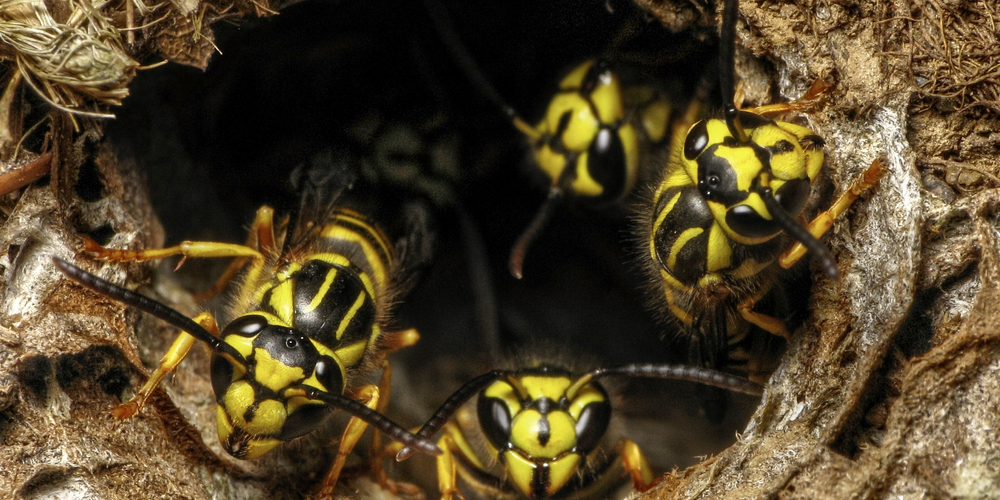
x: 150, y: 306
x: 449, y: 407
x: 520, y: 249
x: 727, y: 69
x: 377, y: 420
x: 705, y: 376
x: 446, y: 31
x: 800, y: 233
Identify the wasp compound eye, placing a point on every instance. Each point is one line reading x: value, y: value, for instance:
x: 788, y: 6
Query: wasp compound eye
x: 697, y: 140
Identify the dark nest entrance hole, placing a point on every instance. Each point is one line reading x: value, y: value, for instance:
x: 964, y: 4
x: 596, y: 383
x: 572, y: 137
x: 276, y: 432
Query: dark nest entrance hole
x: 372, y: 80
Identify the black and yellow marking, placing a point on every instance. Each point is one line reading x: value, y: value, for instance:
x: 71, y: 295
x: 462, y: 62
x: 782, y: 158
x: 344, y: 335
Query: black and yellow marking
x: 725, y: 208
x: 591, y: 140
x: 544, y: 427
x: 308, y: 316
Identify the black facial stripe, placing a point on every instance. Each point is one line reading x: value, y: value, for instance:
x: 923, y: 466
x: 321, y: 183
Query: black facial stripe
x: 544, y: 430
x: 541, y: 480
x: 717, y: 179
x: 288, y: 347
x: 781, y: 146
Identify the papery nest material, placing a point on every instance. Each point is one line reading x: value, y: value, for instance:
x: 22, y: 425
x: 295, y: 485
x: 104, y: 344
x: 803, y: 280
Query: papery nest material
x: 66, y: 63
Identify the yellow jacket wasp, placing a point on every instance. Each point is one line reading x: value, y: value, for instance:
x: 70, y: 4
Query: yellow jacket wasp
x: 591, y: 140
x: 720, y: 220
x: 543, y: 426
x: 307, y: 317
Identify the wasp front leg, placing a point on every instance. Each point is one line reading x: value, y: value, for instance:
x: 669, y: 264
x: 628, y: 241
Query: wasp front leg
x: 260, y: 242
x: 369, y: 394
x: 636, y: 465
x: 391, y: 342
x: 173, y: 357
x: 824, y: 221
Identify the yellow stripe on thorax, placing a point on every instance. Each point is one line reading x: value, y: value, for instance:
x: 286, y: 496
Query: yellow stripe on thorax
x: 339, y: 260
x: 324, y: 288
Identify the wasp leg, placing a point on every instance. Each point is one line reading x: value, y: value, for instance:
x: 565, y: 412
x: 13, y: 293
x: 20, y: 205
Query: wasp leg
x: 352, y: 433
x: 804, y: 103
x: 636, y: 465
x: 765, y: 322
x: 261, y: 237
x: 177, y: 352
x: 394, y: 341
x: 824, y: 221
x: 377, y: 458
x: 453, y: 442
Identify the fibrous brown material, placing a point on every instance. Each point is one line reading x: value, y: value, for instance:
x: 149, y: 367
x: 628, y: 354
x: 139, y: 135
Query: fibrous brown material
x: 889, y: 390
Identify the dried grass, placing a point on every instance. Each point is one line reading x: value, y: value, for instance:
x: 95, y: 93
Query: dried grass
x: 954, y: 54
x: 67, y: 63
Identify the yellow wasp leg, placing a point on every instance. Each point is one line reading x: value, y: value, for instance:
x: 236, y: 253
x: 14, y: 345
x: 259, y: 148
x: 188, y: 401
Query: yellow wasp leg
x: 636, y: 465
x: 824, y: 221
x: 186, y: 248
x: 804, y: 103
x: 352, y: 433
x: 767, y: 323
x: 261, y: 237
x: 394, y: 341
x: 453, y: 441
x: 177, y: 352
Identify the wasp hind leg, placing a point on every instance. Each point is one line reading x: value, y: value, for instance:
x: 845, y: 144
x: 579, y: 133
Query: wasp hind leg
x: 824, y: 221
x: 173, y: 357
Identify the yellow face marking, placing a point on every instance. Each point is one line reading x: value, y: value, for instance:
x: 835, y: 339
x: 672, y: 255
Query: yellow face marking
x: 373, y: 257
x: 527, y: 425
x: 582, y: 125
x: 238, y: 397
x: 561, y: 470
x: 324, y: 288
x: 274, y: 375
x: 539, y: 386
x: 520, y: 470
x: 584, y: 184
x: 607, y: 98
x: 574, y: 79
x: 550, y: 162
x: 503, y: 391
x: 685, y: 236
x: 587, y: 395
x: 258, y: 446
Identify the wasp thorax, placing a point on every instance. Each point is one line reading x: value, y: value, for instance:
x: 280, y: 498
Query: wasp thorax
x: 254, y: 412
